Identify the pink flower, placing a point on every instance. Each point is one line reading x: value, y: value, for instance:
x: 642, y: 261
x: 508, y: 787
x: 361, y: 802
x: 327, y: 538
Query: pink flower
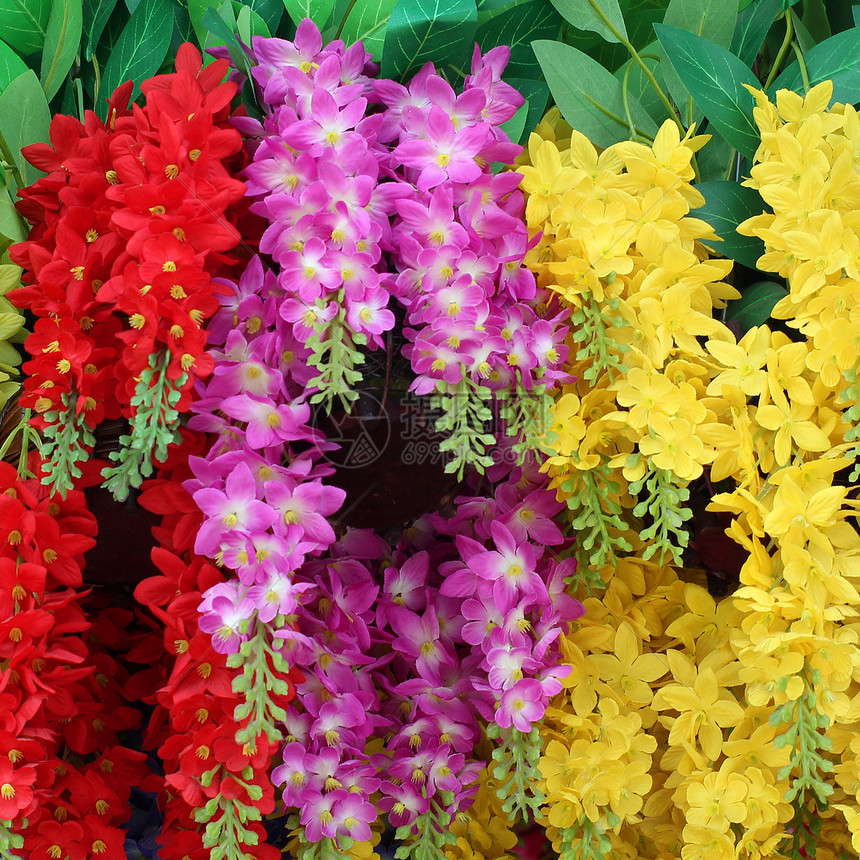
x: 278, y: 596
x: 521, y: 705
x: 370, y: 315
x: 232, y: 513
x: 267, y: 422
x: 328, y: 128
x: 446, y: 153
x: 308, y: 273
x: 223, y: 614
x: 305, y: 506
x: 403, y: 803
x: 510, y: 567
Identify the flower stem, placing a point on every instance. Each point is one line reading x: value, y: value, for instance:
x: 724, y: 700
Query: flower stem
x: 649, y: 75
x: 783, y: 48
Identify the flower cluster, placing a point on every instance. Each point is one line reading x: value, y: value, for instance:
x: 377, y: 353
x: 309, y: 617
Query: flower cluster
x: 806, y: 172
x: 131, y: 221
x: 477, y: 326
x: 316, y: 175
x: 463, y: 626
x: 367, y: 204
x: 217, y: 783
x: 65, y: 775
x: 619, y: 246
x: 736, y: 695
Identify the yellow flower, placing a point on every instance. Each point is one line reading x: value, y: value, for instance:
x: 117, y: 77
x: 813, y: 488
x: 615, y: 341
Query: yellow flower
x: 646, y: 392
x: 743, y: 362
x: 673, y: 446
x: 785, y: 368
x: 792, y: 425
x: 545, y: 182
x: 675, y: 323
x: 627, y: 671
x: 567, y: 425
x: 704, y: 710
x: 717, y: 800
x: 799, y: 516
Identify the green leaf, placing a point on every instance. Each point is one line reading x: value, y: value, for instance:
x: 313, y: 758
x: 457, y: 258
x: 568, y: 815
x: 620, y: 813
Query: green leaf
x: 727, y: 204
x: 519, y: 27
x: 755, y: 305
x: 715, y: 79
x: 599, y: 16
x: 713, y: 160
x: 751, y: 28
x: 222, y: 26
x: 250, y: 24
x: 62, y: 38
x: 97, y: 13
x: 804, y: 38
x: 441, y: 31
x: 536, y: 94
x: 366, y: 23
x: 11, y: 225
x: 714, y: 20
x: 24, y: 118
x: 24, y: 23
x: 11, y: 65
x: 837, y: 59
x: 317, y: 10
x: 588, y: 96
x: 815, y: 19
x: 140, y: 49
x: 855, y: 12
x: 271, y: 11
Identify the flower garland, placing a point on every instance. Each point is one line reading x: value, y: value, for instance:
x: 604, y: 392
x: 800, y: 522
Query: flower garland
x: 216, y: 762
x: 366, y: 205
x: 65, y: 775
x: 134, y: 217
x: 735, y: 695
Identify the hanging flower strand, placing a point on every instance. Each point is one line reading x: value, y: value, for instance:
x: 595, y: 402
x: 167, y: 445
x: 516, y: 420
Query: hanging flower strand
x: 130, y: 224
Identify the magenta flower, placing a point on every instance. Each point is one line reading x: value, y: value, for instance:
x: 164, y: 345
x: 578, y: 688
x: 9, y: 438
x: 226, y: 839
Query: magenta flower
x: 267, y: 422
x: 232, y: 513
x: 318, y: 814
x: 446, y: 153
x: 510, y: 567
x: 336, y: 720
x: 278, y: 596
x: 328, y: 128
x: 308, y: 273
x: 224, y: 614
x: 273, y: 54
x: 508, y: 665
x: 370, y: 314
x: 294, y: 773
x: 403, y: 803
x: 305, y: 506
x: 521, y: 705
x: 532, y: 518
x: 418, y: 637
x: 434, y: 224
x: 354, y: 815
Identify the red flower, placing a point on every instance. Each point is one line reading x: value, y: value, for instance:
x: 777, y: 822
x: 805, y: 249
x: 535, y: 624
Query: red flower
x: 105, y: 842
x: 54, y: 840
x: 16, y: 793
